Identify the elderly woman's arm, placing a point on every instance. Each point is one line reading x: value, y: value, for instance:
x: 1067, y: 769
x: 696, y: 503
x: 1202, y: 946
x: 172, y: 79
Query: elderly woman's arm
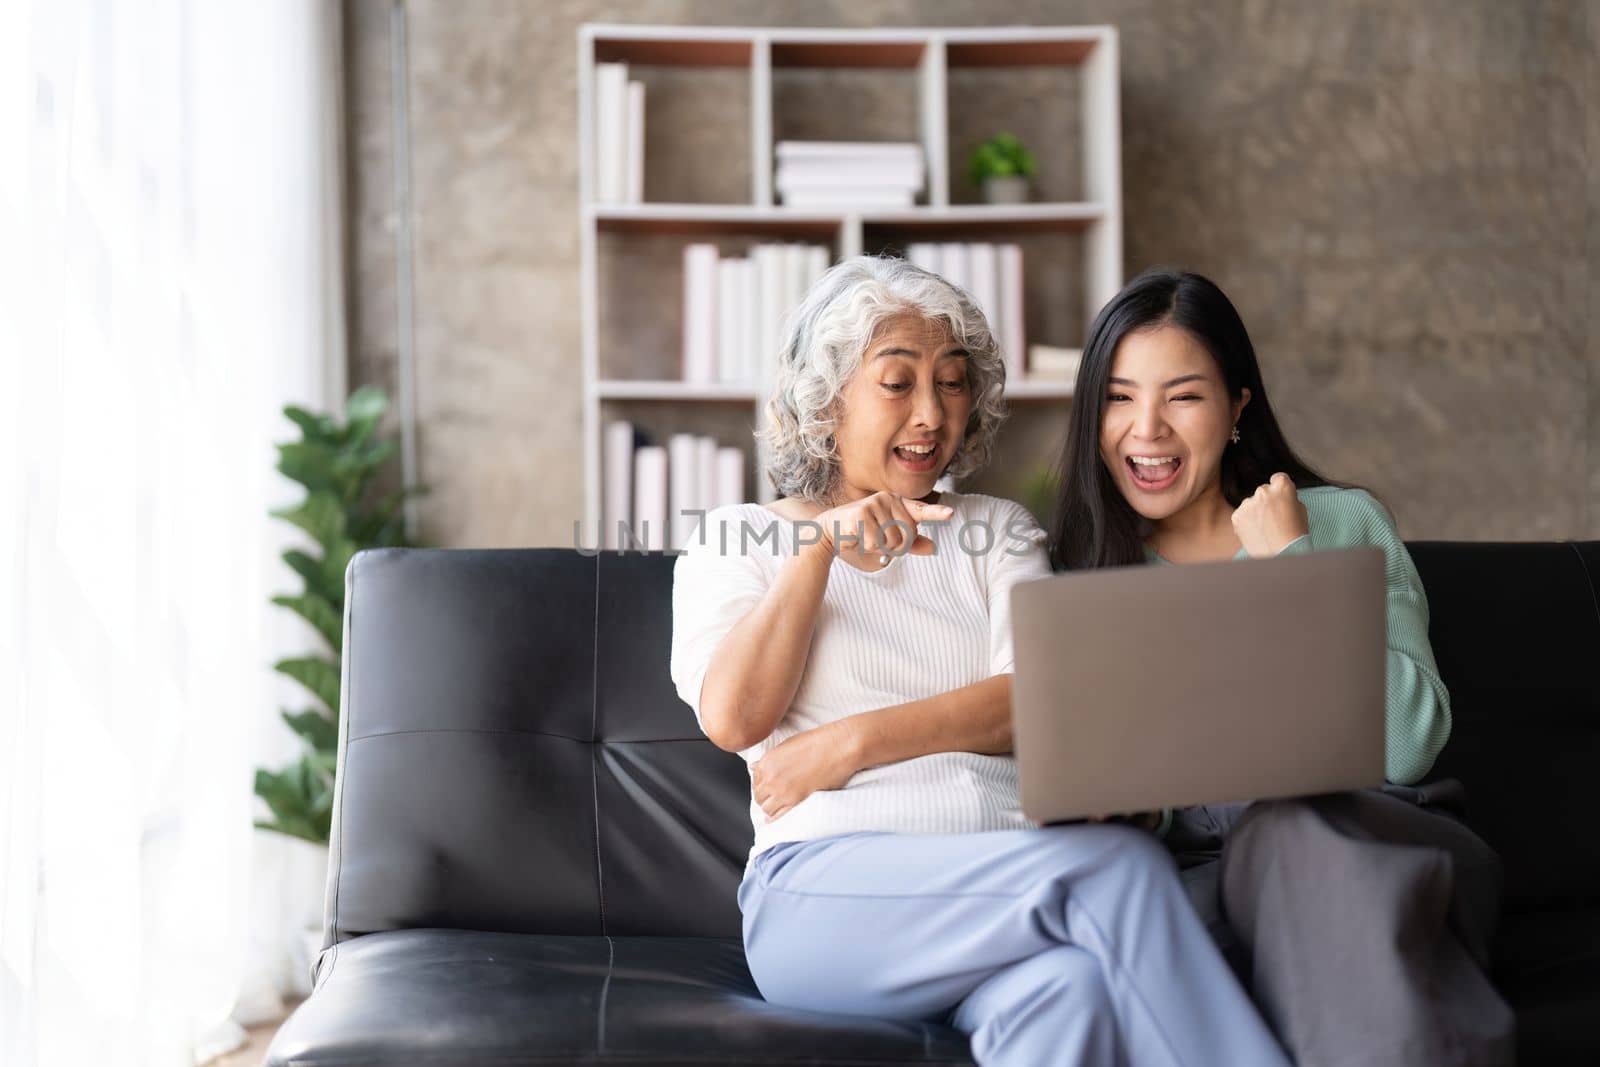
x: 757, y: 667
x: 974, y: 718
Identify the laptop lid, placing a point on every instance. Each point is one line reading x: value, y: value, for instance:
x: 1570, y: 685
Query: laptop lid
x: 1139, y: 688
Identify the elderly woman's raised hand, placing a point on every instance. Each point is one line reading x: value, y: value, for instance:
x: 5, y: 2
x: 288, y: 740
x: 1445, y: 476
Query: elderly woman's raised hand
x: 863, y: 531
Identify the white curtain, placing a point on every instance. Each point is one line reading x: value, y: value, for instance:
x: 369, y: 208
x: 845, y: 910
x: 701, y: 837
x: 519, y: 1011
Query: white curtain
x: 170, y: 276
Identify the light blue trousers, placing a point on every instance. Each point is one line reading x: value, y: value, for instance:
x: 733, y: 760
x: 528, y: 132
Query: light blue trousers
x: 1066, y: 945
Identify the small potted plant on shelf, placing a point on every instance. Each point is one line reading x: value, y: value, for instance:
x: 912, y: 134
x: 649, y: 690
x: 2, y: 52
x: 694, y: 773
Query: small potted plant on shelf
x: 1001, y: 166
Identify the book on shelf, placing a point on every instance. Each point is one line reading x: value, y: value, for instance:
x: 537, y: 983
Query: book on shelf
x: 1012, y: 311
x: 683, y: 485
x: 618, y: 135
x: 648, y: 523
x: 992, y: 275
x: 843, y: 174
x: 610, y: 114
x: 983, y: 275
x: 634, y: 194
x: 700, y: 313
x: 925, y: 255
x: 891, y: 151
x: 796, y: 260
x: 1048, y: 363
x: 816, y: 266
x: 852, y: 174
x: 730, y: 476
x: 735, y: 309
x: 750, y: 336
x: 732, y: 330
x: 655, y: 497
x: 617, y: 471
x: 953, y: 264
x: 705, y: 472
x: 771, y: 293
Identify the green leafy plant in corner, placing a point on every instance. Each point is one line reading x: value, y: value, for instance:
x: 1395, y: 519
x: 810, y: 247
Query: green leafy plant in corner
x: 337, y: 461
x: 1001, y: 156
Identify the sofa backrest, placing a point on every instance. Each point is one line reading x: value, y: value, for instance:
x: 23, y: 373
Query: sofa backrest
x: 1516, y: 632
x: 512, y: 754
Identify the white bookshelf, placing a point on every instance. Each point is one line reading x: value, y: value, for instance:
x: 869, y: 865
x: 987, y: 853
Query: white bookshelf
x: 1096, y: 220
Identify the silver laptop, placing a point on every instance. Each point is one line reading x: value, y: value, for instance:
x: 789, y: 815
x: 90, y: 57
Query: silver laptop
x: 1139, y: 688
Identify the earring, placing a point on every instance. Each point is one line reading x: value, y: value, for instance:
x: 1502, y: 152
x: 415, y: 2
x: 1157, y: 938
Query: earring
x: 1234, y: 437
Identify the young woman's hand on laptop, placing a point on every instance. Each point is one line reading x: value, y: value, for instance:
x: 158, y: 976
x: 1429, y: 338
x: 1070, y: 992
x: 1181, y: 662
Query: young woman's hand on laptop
x: 1271, y: 518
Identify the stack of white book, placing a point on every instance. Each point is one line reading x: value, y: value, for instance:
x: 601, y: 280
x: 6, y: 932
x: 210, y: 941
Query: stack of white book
x: 618, y: 135
x: 1051, y: 363
x: 992, y: 275
x: 736, y: 309
x: 848, y: 175
x: 655, y: 498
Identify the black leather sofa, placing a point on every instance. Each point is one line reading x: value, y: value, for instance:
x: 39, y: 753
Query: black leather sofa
x: 535, y: 851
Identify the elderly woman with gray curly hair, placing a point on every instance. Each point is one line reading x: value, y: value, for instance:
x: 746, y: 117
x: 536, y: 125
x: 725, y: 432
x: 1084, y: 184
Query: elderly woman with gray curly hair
x: 852, y: 643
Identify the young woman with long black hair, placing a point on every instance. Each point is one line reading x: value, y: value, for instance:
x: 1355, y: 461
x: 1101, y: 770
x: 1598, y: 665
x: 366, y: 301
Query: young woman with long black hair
x: 1361, y: 921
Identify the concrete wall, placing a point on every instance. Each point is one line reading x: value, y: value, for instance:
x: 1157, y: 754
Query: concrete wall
x: 1402, y: 199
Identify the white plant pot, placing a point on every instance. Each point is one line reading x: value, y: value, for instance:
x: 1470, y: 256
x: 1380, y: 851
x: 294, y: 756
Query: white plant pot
x: 311, y: 874
x: 1011, y: 190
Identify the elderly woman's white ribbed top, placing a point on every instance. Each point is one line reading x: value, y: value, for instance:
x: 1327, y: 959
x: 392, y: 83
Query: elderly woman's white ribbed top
x: 922, y: 626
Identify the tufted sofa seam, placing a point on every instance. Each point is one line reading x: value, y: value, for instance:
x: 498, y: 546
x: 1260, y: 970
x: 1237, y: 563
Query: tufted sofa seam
x: 594, y: 751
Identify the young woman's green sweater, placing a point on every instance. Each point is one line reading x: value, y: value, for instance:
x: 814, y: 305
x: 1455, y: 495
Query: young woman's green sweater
x: 1418, y: 707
